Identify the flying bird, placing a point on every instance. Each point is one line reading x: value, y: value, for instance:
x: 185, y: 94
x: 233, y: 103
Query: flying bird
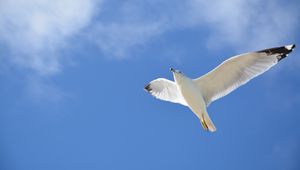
x: 198, y: 93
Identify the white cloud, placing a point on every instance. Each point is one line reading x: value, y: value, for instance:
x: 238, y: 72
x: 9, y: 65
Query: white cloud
x: 125, y: 26
x: 35, y: 31
x: 117, y: 40
x: 251, y: 24
x: 242, y: 25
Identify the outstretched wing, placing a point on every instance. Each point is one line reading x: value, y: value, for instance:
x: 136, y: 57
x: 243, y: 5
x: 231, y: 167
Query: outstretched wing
x: 165, y: 90
x: 238, y: 70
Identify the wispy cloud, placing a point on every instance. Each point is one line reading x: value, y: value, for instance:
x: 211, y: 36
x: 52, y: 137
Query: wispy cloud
x: 241, y: 25
x: 116, y: 40
x: 35, y: 31
x: 254, y: 24
x: 127, y: 25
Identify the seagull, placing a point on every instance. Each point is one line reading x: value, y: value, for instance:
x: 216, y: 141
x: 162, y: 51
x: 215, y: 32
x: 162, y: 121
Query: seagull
x: 234, y: 72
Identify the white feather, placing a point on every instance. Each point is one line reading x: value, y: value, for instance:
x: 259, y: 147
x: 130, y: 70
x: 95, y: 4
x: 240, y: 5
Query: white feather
x: 165, y: 90
x: 233, y: 73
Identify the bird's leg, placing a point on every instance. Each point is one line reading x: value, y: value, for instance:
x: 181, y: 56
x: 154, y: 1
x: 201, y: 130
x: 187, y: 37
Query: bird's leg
x: 203, y: 123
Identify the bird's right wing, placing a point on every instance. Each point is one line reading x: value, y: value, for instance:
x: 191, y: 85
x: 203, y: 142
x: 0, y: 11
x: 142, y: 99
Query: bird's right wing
x: 165, y: 90
x: 238, y: 70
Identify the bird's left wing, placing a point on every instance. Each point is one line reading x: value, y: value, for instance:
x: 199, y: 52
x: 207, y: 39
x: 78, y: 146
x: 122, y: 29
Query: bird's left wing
x: 238, y: 70
x: 165, y: 90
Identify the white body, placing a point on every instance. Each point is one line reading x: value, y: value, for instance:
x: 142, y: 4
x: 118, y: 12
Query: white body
x: 194, y: 99
x: 192, y: 96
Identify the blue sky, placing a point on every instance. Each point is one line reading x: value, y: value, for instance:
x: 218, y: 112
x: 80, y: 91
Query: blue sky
x: 72, y: 75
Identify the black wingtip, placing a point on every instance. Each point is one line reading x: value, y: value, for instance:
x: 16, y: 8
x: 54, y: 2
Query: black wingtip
x: 147, y: 88
x: 282, y: 51
x: 293, y: 46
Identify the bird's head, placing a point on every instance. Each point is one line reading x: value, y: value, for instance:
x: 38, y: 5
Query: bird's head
x: 178, y: 75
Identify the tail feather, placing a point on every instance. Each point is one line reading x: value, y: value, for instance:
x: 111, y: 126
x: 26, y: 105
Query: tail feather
x: 207, y: 123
